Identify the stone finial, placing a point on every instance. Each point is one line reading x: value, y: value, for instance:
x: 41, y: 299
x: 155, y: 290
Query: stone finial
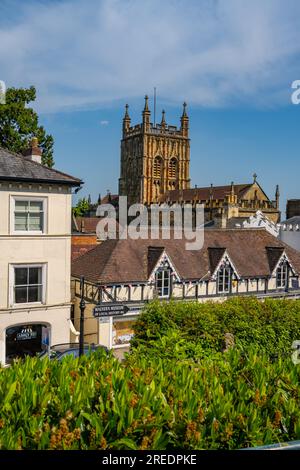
x: 146, y: 107
x: 184, y: 113
x: 126, y: 120
x: 254, y: 177
x: 163, y: 119
x: 126, y: 115
x: 277, y: 195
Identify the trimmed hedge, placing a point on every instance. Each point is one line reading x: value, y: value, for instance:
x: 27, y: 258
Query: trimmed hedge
x: 228, y: 401
x: 271, y: 325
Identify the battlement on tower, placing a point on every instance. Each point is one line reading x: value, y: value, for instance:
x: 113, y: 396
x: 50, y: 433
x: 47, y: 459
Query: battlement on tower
x: 157, y: 129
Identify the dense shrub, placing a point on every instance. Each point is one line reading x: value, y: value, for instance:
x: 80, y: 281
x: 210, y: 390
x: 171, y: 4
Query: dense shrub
x: 272, y: 325
x: 226, y: 401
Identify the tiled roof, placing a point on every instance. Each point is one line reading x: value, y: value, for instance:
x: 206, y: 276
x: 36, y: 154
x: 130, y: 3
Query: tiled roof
x: 204, y: 194
x: 292, y: 221
x: 79, y: 250
x: 120, y: 261
x: 215, y: 255
x: 274, y: 254
x: 14, y: 167
x: 87, y: 224
x: 110, y: 199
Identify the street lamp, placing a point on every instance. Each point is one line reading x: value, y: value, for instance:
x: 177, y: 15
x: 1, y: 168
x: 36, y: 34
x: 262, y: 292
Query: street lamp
x: 82, y: 309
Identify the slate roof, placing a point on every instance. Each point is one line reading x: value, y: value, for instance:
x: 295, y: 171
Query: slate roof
x: 15, y: 167
x: 121, y: 261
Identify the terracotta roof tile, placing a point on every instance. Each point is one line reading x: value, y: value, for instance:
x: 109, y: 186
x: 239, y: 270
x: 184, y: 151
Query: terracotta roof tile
x: 204, y: 194
x: 120, y: 261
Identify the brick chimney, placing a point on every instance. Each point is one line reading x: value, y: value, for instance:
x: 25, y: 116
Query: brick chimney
x: 34, y: 152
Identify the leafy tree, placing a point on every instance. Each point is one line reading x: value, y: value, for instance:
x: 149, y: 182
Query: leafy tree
x: 19, y: 123
x: 81, y: 208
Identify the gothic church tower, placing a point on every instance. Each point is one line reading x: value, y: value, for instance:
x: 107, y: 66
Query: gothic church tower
x: 154, y: 158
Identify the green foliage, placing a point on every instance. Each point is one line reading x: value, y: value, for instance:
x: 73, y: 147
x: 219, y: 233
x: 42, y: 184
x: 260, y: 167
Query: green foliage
x: 271, y: 325
x: 225, y: 401
x: 81, y: 208
x: 19, y: 123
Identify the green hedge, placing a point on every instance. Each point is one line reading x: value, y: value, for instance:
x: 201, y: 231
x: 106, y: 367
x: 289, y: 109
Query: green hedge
x: 227, y: 401
x: 272, y: 325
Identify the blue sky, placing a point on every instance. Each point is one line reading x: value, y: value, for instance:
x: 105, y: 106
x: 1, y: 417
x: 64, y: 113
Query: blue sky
x: 233, y: 61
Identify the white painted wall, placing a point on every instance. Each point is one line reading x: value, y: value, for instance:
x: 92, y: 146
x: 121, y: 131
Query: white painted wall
x: 290, y: 234
x: 52, y: 249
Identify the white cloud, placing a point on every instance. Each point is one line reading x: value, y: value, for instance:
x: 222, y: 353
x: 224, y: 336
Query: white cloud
x: 104, y: 123
x: 209, y: 52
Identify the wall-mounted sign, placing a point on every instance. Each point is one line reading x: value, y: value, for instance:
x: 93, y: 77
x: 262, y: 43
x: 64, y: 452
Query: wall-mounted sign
x: 26, y: 334
x: 110, y: 310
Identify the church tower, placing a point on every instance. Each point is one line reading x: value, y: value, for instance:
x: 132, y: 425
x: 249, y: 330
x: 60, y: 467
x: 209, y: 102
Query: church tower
x: 154, y: 158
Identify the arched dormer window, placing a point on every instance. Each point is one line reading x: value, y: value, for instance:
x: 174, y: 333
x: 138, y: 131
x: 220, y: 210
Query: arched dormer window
x: 282, y: 274
x: 172, y: 168
x: 157, y: 167
x: 224, y: 278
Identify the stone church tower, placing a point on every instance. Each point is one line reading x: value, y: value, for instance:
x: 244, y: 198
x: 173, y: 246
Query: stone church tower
x: 155, y: 159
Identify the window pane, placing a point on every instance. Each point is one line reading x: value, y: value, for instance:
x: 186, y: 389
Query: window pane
x: 20, y: 295
x: 21, y: 206
x: 20, y: 221
x: 21, y: 276
x: 35, y: 221
x: 35, y: 294
x: 36, y: 206
x: 35, y: 275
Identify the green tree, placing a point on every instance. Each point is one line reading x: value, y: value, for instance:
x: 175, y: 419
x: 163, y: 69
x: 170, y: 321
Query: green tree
x: 81, y: 207
x: 19, y: 123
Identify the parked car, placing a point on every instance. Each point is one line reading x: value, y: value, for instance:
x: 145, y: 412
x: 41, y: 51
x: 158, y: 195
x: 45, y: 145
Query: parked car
x: 59, y: 351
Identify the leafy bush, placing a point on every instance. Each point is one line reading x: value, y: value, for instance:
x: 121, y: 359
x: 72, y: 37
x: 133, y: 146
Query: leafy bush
x: 226, y: 401
x: 272, y: 325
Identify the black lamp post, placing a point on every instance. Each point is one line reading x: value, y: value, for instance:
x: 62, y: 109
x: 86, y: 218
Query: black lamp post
x: 82, y: 309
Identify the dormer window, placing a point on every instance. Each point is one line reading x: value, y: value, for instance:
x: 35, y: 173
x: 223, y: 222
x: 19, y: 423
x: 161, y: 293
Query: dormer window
x: 282, y: 275
x: 224, y: 278
x: 163, y: 282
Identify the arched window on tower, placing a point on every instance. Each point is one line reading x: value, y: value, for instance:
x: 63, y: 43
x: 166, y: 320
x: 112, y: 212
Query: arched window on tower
x: 157, y: 167
x: 172, y: 168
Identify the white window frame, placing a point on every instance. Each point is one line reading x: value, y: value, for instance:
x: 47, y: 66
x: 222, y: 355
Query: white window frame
x: 15, y: 198
x: 12, y: 283
x: 163, y: 271
x: 222, y: 269
x: 283, y: 274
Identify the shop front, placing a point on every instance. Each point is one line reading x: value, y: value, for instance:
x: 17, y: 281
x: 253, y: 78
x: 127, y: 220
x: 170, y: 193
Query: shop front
x: 117, y: 331
x: 26, y: 340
